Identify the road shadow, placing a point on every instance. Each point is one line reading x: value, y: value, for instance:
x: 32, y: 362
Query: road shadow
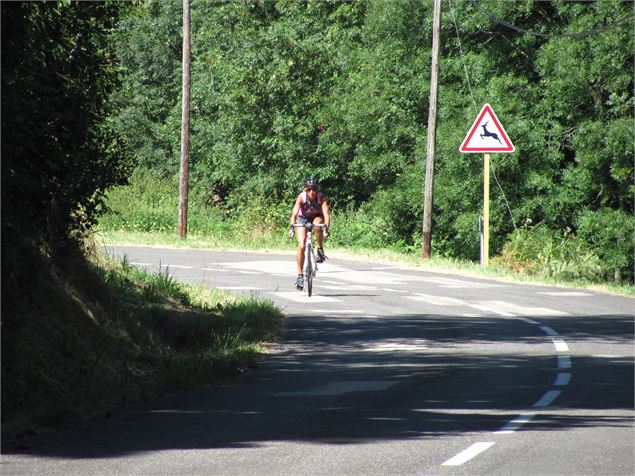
x: 435, y: 375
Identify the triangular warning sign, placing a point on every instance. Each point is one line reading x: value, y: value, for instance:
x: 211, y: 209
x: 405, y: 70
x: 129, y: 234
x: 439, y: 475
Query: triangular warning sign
x: 486, y: 136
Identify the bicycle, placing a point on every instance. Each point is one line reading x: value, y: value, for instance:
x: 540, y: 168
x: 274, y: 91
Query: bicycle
x: 310, y: 258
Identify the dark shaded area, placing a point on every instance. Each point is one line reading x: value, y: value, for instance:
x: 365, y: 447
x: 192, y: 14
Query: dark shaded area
x: 58, y: 154
x: 58, y: 157
x: 436, y: 376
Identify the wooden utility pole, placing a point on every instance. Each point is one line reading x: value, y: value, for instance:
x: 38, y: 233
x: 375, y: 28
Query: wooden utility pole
x: 185, y: 124
x: 432, y: 133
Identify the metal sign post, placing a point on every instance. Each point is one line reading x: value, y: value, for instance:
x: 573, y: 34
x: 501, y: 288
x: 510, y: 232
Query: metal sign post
x: 485, y: 257
x: 486, y: 136
x: 480, y: 232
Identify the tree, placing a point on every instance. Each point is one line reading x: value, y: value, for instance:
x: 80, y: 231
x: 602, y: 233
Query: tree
x: 58, y: 152
x: 341, y: 89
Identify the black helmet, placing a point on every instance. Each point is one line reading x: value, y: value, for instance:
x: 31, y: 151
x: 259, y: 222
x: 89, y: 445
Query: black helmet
x: 311, y: 182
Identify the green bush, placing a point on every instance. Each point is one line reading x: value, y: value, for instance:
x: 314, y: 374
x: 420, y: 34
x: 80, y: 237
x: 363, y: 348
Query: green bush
x: 359, y: 228
x: 611, y: 234
x: 150, y: 203
x: 391, y: 219
x: 541, y: 251
x: 257, y: 216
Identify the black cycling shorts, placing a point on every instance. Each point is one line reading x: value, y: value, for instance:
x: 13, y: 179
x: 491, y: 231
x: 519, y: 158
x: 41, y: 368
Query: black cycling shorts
x: 304, y: 220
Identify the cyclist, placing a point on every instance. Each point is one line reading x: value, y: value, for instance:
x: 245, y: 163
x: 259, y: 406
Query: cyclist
x: 310, y: 206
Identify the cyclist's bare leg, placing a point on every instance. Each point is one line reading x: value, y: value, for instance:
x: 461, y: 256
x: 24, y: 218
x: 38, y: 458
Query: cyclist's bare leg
x: 300, y: 235
x: 319, y: 232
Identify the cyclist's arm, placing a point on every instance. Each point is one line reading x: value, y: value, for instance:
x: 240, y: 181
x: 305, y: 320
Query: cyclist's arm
x: 296, y: 210
x: 327, y: 213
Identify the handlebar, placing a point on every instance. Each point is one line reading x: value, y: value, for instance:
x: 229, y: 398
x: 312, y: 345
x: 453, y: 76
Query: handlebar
x: 309, y: 226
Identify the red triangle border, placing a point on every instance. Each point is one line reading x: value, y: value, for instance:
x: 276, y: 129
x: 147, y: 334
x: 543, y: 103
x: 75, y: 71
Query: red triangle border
x: 485, y: 150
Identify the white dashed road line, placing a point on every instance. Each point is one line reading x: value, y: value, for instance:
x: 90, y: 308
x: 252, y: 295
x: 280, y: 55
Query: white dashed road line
x: 566, y: 293
x: 564, y: 362
x: 562, y: 378
x: 548, y: 330
x: 347, y: 288
x: 529, y: 321
x: 436, y: 300
x: 506, y: 307
x: 459, y: 283
x: 547, y: 399
x: 468, y: 454
x: 560, y: 345
x: 516, y: 424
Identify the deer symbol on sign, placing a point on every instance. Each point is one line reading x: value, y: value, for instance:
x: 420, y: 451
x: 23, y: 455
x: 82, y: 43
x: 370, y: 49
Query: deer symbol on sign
x: 487, y: 133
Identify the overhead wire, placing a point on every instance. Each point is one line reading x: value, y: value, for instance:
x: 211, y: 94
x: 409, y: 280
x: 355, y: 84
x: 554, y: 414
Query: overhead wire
x: 467, y: 76
x: 580, y: 34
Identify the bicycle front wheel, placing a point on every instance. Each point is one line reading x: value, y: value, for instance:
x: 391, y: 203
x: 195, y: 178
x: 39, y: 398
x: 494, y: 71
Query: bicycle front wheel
x: 309, y: 268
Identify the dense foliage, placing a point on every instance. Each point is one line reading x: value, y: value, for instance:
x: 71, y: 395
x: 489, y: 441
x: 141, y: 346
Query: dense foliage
x: 58, y: 153
x: 339, y: 89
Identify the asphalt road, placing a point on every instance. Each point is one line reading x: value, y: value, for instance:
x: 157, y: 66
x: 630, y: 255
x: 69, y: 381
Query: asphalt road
x: 385, y: 370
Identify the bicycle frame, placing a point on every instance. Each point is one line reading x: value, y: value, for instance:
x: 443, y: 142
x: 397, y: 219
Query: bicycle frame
x: 310, y: 260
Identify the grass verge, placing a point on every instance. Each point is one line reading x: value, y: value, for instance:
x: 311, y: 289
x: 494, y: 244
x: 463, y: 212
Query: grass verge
x: 81, y: 337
